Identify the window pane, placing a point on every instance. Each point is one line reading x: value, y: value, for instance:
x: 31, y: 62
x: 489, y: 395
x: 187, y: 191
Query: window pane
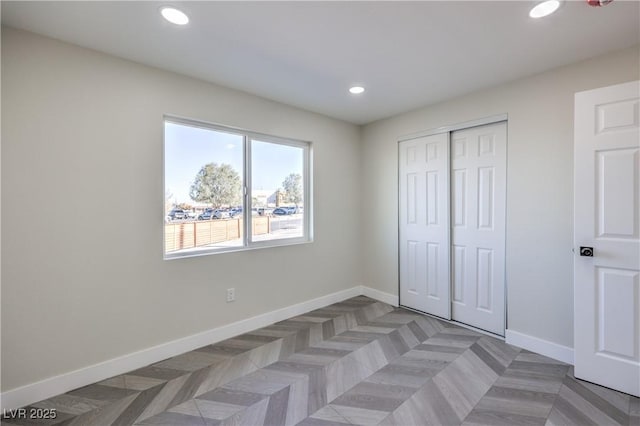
x: 203, y: 189
x: 277, y: 192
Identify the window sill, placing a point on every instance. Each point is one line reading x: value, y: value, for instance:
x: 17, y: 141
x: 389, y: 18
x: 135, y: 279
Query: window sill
x: 258, y: 245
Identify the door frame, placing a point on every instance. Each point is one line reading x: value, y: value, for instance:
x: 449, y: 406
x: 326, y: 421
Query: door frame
x: 493, y: 119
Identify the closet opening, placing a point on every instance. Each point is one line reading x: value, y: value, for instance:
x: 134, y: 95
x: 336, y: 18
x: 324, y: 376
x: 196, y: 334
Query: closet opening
x: 452, y: 223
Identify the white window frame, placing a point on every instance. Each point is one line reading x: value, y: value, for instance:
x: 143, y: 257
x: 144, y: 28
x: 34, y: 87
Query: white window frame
x: 248, y: 137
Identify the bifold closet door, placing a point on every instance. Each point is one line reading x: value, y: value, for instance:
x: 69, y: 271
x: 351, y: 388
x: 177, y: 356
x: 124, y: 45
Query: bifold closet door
x: 424, y: 224
x: 478, y: 208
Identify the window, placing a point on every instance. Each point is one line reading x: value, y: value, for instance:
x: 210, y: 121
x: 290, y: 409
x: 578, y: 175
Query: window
x: 227, y: 189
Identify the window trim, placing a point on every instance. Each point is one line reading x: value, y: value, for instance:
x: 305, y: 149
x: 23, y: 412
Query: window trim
x: 248, y: 137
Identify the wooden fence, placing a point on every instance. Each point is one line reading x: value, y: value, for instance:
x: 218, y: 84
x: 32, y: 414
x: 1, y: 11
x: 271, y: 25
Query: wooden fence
x: 183, y: 235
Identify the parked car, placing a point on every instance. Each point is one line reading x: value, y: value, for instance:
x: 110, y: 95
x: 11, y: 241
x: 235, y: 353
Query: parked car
x: 206, y: 215
x: 176, y: 214
x: 221, y: 214
x: 209, y: 214
x: 265, y: 211
x: 236, y: 211
x: 285, y: 210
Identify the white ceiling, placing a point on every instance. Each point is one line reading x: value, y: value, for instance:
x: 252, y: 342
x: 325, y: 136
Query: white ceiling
x: 307, y: 54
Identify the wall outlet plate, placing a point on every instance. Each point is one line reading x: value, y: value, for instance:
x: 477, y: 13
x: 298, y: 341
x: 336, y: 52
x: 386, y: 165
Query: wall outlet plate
x: 231, y: 294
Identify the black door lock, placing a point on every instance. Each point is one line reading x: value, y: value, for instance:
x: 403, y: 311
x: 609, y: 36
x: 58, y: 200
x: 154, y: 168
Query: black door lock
x: 586, y: 251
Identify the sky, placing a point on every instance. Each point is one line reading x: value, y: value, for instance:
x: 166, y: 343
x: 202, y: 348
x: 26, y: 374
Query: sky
x: 189, y: 148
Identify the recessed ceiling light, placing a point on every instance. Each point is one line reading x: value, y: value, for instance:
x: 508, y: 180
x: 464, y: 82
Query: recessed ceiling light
x: 356, y: 90
x: 545, y: 8
x: 174, y: 16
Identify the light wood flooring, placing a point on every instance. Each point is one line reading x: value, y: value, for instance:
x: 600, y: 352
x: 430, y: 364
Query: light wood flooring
x: 356, y: 362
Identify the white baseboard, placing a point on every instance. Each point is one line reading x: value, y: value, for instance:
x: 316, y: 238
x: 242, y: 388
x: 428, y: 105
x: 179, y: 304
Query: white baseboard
x: 543, y: 347
x: 66, y: 382
x: 381, y: 296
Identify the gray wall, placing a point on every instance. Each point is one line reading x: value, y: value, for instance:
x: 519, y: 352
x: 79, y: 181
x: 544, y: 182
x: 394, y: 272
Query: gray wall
x: 83, y: 279
x: 539, y: 263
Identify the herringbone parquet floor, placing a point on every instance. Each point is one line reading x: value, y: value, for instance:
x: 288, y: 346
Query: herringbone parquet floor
x: 355, y: 362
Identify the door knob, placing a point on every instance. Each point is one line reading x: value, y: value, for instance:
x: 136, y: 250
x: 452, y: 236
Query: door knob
x: 586, y: 251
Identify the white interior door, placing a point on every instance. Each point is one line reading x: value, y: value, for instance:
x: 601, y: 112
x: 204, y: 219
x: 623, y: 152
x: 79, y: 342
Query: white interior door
x: 424, y: 224
x: 606, y: 209
x: 478, y: 206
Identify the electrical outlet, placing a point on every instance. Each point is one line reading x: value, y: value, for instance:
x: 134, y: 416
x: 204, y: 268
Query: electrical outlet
x: 231, y: 294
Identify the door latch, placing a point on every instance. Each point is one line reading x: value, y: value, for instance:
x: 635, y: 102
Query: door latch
x: 586, y: 251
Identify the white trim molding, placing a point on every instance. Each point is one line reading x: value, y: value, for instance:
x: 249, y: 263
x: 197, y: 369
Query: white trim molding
x: 543, y: 347
x: 66, y: 382
x: 458, y: 126
x: 381, y: 296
